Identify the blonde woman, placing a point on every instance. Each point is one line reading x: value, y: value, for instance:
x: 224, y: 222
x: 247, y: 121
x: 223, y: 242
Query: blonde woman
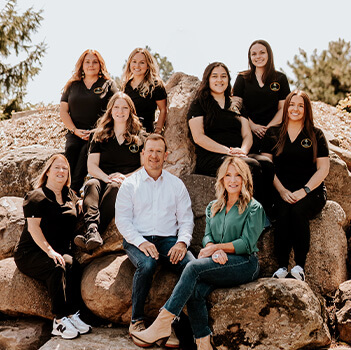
x: 227, y: 259
x: 142, y: 82
x: 114, y: 154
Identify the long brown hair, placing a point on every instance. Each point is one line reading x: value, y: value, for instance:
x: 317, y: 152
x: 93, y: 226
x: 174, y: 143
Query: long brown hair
x: 152, y: 77
x: 77, y: 73
x: 308, y: 125
x: 246, y: 192
x: 104, y: 129
x: 43, y: 177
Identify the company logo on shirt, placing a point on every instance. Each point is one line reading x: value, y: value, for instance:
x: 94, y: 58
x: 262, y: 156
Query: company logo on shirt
x: 98, y: 90
x: 134, y: 148
x: 275, y: 86
x: 306, y: 143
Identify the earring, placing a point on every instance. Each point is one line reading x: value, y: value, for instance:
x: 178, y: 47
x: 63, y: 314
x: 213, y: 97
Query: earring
x: 83, y: 74
x: 100, y: 74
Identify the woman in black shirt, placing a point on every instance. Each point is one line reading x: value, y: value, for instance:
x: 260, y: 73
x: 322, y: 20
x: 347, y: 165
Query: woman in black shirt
x: 300, y: 155
x: 43, y: 251
x: 142, y: 82
x: 83, y: 101
x: 113, y: 155
x: 261, y: 92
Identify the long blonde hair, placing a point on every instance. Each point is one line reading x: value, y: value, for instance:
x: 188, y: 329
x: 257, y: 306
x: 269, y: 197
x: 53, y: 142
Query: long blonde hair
x: 152, y: 77
x: 246, y: 192
x: 43, y: 177
x: 104, y: 129
x: 78, y: 70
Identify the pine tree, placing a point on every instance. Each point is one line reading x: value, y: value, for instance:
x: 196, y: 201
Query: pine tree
x: 166, y: 67
x: 325, y: 77
x: 15, y: 40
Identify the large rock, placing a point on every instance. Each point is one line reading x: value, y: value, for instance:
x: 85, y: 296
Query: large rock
x: 343, y: 311
x: 20, y: 294
x: 107, y: 288
x: 181, y: 89
x: 11, y: 224
x: 268, y: 314
x: 20, y: 167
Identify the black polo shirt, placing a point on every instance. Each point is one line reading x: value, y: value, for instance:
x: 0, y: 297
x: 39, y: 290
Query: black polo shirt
x: 146, y: 106
x: 57, y: 221
x: 124, y: 158
x: 294, y: 166
x: 86, y: 106
x: 261, y: 103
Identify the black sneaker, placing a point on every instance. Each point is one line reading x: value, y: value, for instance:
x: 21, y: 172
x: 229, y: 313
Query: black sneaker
x: 93, y: 238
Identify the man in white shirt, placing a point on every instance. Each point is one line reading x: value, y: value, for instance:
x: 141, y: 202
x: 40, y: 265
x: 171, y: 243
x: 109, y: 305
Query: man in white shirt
x: 153, y: 213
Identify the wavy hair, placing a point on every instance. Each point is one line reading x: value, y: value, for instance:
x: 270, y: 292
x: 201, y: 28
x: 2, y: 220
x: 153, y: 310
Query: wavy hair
x: 152, y: 77
x: 246, y: 192
x: 308, y: 124
x: 43, y: 177
x: 104, y: 129
x: 77, y: 73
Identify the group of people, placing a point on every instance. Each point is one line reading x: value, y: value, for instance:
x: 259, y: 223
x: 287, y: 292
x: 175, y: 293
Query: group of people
x: 258, y: 139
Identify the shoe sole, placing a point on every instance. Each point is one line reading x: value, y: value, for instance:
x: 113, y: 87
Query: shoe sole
x: 79, y: 242
x: 140, y: 343
x: 93, y: 245
x: 64, y: 337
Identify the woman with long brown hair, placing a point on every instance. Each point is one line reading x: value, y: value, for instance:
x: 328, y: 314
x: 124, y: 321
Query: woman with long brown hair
x: 299, y: 152
x: 114, y: 154
x: 83, y: 102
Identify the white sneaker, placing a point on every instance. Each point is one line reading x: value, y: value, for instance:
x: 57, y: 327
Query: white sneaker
x: 298, y: 273
x: 281, y: 273
x: 64, y: 328
x: 81, y: 326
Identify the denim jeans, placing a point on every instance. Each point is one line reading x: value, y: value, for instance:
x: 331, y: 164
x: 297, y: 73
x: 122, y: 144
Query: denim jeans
x: 200, y: 277
x: 145, y: 269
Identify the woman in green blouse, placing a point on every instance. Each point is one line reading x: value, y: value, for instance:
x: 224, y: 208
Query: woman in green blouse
x: 234, y: 223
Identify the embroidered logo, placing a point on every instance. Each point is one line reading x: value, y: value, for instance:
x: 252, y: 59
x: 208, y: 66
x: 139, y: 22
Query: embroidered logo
x: 306, y: 143
x: 98, y: 90
x: 134, y: 148
x: 275, y: 86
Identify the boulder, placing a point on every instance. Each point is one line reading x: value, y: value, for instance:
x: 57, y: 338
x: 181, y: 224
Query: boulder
x: 20, y: 167
x: 343, y: 311
x: 11, y: 224
x: 267, y: 314
x: 181, y: 89
x: 20, y: 294
x: 107, y: 288
x: 23, y: 334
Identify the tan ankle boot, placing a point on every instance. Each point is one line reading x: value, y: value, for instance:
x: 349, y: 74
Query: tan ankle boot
x: 159, y: 331
x: 204, y: 343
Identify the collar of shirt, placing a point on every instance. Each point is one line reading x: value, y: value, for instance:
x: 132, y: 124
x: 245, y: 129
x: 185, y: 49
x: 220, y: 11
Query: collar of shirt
x: 145, y: 176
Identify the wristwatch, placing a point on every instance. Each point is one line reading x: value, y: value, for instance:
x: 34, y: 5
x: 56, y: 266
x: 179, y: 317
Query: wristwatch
x: 307, y: 189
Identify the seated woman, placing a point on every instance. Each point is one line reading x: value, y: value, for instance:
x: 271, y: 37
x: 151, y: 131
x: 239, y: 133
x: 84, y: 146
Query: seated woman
x: 261, y: 90
x: 114, y: 154
x: 43, y: 251
x: 142, y: 82
x: 228, y: 259
x: 218, y: 130
x: 300, y: 155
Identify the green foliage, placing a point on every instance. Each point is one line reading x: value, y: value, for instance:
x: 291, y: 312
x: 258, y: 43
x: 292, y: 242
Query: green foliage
x: 15, y: 39
x: 345, y: 104
x: 327, y: 76
x: 166, y: 67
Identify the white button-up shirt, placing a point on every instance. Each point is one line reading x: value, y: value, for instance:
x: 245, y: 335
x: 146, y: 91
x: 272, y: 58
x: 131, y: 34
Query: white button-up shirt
x: 145, y: 207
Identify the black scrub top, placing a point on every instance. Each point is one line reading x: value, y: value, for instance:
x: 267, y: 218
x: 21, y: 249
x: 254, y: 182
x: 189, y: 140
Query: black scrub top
x: 294, y: 166
x: 57, y: 223
x: 261, y: 103
x: 86, y: 106
x: 146, y: 106
x: 124, y: 158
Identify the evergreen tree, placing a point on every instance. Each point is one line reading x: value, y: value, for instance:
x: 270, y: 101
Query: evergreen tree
x: 15, y: 40
x: 166, y: 67
x: 325, y: 77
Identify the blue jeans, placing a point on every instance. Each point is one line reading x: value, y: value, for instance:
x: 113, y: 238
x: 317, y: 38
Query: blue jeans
x: 145, y: 269
x: 200, y: 277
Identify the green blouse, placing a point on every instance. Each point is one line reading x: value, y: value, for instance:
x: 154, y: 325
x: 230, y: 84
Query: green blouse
x: 243, y: 230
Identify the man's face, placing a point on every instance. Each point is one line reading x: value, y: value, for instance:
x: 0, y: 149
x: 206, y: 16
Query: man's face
x: 154, y: 155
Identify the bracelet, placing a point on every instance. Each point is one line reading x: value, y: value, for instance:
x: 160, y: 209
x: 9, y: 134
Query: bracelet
x: 72, y: 130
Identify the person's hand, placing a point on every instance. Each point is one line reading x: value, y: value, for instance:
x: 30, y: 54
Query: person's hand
x: 220, y: 257
x: 58, y: 258
x: 82, y: 134
x: 258, y: 130
x: 237, y: 152
x: 207, y: 251
x: 149, y: 249
x: 116, y: 177
x: 177, y: 252
x: 299, y: 194
x: 287, y: 196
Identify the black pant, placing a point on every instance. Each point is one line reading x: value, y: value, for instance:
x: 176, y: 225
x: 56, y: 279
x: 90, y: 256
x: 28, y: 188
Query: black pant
x: 293, y: 227
x: 76, y: 152
x: 63, y: 282
x: 99, y: 203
